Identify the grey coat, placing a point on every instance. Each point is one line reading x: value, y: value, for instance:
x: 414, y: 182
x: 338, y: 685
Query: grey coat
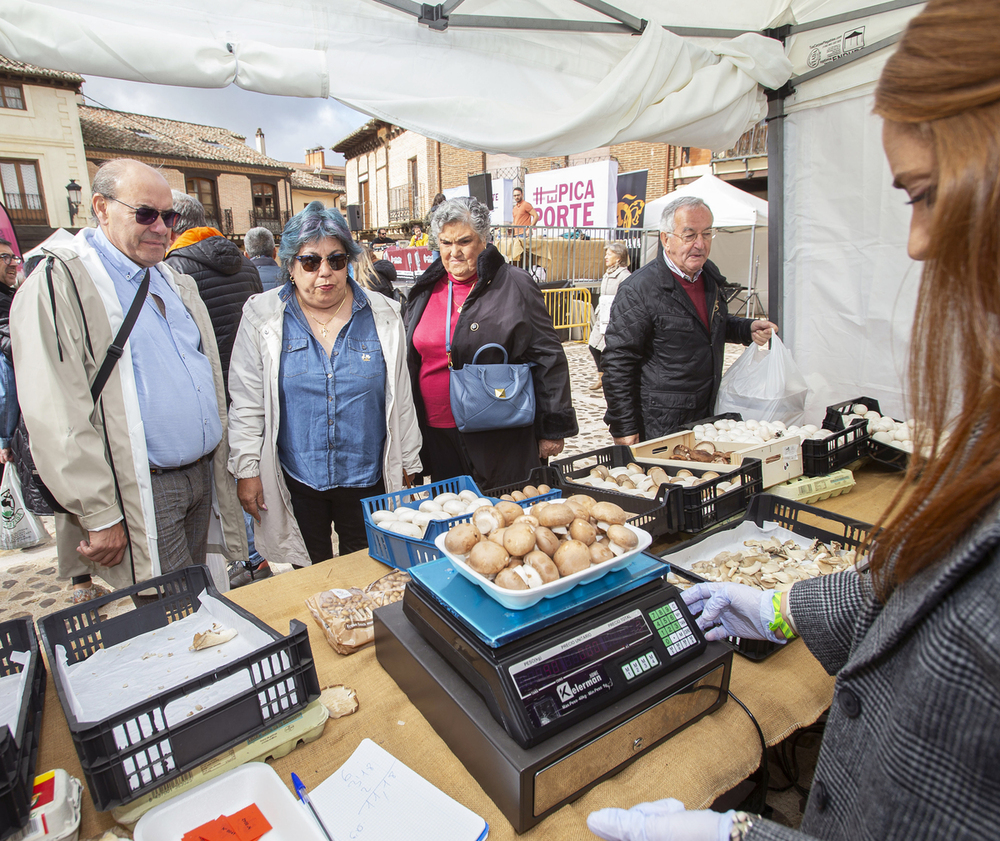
x: 912, y: 744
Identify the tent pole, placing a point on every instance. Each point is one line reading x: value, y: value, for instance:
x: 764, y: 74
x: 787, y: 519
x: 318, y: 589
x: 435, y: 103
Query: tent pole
x: 776, y: 207
x: 751, y: 290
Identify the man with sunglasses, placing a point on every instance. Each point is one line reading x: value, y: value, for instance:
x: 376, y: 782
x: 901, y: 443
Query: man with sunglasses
x: 139, y: 467
x: 669, y: 325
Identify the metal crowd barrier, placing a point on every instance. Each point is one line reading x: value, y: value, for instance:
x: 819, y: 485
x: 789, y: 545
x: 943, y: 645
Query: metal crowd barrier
x: 571, y: 311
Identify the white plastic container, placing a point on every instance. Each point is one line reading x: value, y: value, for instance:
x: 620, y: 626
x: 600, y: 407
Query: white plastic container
x: 255, y: 782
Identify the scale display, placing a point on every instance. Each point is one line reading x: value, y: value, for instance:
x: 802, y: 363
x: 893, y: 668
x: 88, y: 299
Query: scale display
x: 557, y: 676
x: 588, y: 649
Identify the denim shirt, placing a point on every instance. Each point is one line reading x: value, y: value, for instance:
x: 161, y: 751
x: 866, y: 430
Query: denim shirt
x: 173, y: 378
x: 331, y: 432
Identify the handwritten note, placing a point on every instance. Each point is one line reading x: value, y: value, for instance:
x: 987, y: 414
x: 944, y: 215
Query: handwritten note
x: 375, y: 797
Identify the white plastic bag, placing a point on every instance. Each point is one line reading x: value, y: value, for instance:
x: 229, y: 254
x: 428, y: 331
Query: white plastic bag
x: 19, y: 527
x: 765, y: 385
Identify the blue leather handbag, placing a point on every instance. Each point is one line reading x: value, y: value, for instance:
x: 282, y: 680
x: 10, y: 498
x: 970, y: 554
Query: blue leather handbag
x: 486, y: 397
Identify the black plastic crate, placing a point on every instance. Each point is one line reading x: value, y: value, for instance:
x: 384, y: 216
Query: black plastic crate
x: 538, y: 476
x: 823, y: 456
x: 651, y: 515
x: 684, y: 509
x: 805, y: 520
x: 884, y: 454
x: 282, y: 674
x: 18, y: 751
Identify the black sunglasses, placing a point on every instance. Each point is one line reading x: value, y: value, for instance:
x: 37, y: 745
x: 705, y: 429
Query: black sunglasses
x: 312, y: 262
x: 147, y: 215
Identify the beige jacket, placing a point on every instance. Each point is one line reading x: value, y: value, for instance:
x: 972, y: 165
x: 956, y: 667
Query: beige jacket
x: 255, y: 410
x: 67, y: 428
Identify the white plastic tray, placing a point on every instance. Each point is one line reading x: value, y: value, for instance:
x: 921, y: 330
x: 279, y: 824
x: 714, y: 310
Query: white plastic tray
x: 255, y: 782
x: 521, y: 599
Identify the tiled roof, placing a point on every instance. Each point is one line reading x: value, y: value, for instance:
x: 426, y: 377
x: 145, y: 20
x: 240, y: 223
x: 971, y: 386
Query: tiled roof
x: 308, y: 181
x: 369, y: 129
x: 119, y: 131
x: 9, y: 65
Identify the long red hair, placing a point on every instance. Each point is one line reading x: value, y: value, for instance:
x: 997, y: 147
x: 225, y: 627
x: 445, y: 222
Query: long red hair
x: 945, y: 79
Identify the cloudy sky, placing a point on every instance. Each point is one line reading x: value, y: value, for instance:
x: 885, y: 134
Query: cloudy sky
x: 291, y: 125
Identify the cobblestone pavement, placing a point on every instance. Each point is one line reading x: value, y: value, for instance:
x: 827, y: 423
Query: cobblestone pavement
x: 29, y: 585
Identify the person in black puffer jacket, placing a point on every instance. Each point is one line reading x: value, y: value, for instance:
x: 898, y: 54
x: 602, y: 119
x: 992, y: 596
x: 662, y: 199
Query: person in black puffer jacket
x: 225, y: 277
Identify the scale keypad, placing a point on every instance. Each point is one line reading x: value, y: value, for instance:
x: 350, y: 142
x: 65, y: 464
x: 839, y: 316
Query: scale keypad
x: 672, y: 628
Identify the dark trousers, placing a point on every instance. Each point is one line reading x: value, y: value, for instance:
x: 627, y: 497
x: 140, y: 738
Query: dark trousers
x: 317, y: 512
x: 443, y: 454
x: 597, y: 357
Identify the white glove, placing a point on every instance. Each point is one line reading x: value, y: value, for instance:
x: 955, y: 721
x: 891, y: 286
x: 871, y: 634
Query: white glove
x: 663, y: 820
x: 732, y: 610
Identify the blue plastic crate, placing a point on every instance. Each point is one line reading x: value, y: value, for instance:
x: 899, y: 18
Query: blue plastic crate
x: 403, y: 552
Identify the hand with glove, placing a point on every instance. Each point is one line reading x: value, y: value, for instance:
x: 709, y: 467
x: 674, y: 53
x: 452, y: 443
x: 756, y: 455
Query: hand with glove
x: 735, y: 610
x: 663, y: 820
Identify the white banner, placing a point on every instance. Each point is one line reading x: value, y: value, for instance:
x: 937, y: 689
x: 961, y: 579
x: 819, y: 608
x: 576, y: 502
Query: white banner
x: 575, y: 197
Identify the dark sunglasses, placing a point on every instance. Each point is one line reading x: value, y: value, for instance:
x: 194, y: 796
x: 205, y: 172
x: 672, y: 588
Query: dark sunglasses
x: 312, y: 262
x: 147, y: 215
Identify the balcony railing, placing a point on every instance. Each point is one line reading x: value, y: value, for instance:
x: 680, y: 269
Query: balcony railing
x: 405, y: 205
x: 25, y: 209
x: 224, y: 224
x: 752, y: 144
x: 274, y: 222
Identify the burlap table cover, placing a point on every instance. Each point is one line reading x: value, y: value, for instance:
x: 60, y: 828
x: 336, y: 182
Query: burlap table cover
x: 787, y: 691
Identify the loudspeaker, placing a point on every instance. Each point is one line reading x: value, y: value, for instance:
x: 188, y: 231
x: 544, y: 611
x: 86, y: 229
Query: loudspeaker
x: 481, y: 186
x: 354, y: 221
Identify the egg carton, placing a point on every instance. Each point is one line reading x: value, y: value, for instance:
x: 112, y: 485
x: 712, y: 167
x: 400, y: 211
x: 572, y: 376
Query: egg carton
x: 884, y: 446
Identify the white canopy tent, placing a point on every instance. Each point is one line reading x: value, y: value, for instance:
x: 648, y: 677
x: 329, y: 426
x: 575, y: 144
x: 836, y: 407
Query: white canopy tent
x: 740, y: 249
x: 555, y: 77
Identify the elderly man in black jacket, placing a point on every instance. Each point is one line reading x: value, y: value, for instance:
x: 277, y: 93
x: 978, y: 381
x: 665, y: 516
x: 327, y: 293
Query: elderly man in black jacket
x: 225, y: 277
x: 668, y: 330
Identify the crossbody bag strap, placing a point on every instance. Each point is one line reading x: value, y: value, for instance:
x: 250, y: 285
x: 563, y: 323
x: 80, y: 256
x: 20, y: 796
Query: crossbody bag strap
x: 117, y: 347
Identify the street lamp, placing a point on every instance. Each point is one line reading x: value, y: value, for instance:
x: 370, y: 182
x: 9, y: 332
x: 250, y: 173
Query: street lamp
x: 74, y: 195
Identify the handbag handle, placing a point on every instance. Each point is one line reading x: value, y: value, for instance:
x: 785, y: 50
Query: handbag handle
x: 501, y: 348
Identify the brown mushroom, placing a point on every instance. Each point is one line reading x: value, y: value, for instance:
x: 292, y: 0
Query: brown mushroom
x: 510, y: 510
x: 487, y: 558
x: 572, y: 556
x: 497, y: 535
x: 607, y: 514
x: 543, y: 564
x: 622, y: 540
x: 510, y: 580
x: 583, y: 531
x: 486, y: 518
x: 584, y: 501
x: 461, y: 538
x: 546, y: 540
x: 599, y: 553
x: 544, y: 489
x: 529, y: 491
x: 556, y: 516
x: 518, y: 496
x: 519, y: 539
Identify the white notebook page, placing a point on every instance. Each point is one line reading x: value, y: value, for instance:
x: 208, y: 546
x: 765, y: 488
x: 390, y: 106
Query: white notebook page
x: 375, y: 797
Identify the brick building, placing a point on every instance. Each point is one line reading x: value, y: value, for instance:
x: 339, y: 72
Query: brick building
x: 393, y: 174
x: 240, y: 187
x: 41, y: 150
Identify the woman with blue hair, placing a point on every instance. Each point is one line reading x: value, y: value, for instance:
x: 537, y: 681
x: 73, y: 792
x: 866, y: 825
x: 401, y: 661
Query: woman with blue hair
x: 322, y: 414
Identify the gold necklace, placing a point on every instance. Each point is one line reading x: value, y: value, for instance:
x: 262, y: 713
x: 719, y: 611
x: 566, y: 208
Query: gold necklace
x: 322, y: 324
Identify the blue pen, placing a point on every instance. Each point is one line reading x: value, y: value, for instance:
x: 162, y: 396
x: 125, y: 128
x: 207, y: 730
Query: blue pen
x: 300, y: 792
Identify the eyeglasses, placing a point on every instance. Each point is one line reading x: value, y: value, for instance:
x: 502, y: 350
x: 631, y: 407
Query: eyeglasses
x: 7, y: 259
x: 707, y: 235
x: 147, y: 215
x: 312, y: 262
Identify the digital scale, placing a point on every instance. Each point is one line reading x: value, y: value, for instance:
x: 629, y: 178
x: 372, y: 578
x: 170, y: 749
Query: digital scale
x: 541, y: 704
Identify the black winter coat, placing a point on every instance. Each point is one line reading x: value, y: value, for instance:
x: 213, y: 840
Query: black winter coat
x: 225, y: 278
x: 661, y: 367
x: 505, y: 307
x: 6, y: 299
